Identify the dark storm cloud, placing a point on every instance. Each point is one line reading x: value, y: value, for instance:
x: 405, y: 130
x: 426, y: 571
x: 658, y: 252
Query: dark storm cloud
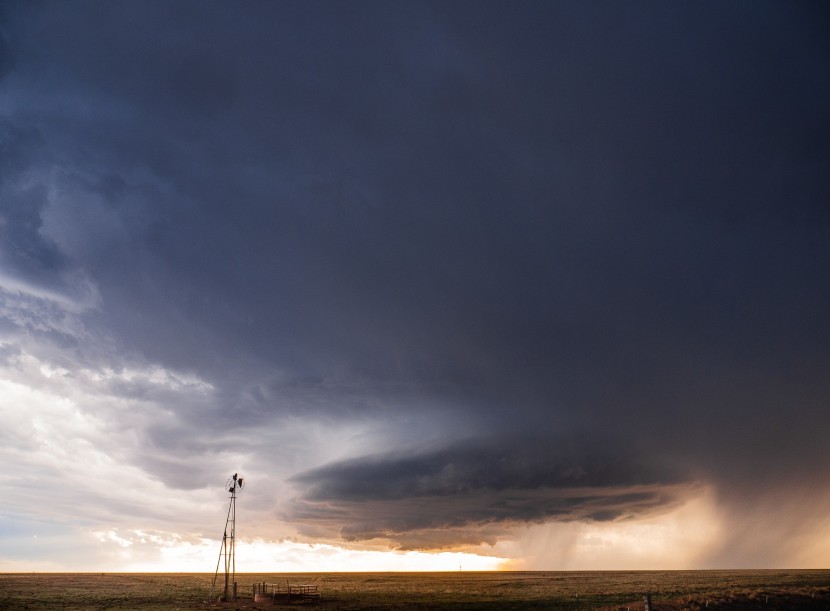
x: 572, y: 220
x: 24, y: 248
x: 470, y: 491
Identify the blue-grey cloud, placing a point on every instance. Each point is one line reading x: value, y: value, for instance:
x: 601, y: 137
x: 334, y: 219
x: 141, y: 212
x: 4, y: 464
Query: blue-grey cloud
x: 555, y: 220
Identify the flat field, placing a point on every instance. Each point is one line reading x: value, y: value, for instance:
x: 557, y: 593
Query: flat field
x: 467, y: 591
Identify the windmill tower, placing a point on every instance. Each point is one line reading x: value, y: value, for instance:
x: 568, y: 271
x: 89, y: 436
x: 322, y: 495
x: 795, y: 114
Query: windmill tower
x: 228, y: 550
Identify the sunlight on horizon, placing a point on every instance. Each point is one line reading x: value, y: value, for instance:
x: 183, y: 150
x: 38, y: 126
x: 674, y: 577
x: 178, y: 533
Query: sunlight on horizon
x: 260, y: 556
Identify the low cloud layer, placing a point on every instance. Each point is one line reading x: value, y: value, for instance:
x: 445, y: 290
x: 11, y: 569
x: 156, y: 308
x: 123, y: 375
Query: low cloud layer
x: 473, y: 491
x: 425, y: 273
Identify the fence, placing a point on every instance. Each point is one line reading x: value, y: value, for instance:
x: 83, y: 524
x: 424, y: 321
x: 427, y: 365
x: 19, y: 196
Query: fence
x: 285, y: 593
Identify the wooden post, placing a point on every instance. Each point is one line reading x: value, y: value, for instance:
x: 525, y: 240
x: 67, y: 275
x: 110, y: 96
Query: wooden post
x: 647, y: 601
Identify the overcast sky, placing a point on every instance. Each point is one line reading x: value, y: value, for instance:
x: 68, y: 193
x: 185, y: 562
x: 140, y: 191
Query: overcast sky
x: 542, y: 281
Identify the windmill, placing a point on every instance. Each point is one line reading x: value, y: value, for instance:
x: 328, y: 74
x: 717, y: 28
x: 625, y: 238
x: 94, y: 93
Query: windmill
x: 228, y: 550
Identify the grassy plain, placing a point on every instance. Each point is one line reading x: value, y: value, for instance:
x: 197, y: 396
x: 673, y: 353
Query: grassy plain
x: 462, y: 591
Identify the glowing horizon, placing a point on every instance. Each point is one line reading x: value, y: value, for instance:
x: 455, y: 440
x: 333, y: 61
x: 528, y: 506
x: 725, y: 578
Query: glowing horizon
x: 129, y: 551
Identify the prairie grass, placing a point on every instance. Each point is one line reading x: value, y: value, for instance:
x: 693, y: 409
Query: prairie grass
x: 461, y: 591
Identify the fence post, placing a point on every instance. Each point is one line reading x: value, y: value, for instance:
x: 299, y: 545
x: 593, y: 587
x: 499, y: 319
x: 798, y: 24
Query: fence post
x: 647, y: 601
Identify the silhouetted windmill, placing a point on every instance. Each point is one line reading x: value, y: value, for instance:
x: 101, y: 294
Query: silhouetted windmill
x: 228, y: 550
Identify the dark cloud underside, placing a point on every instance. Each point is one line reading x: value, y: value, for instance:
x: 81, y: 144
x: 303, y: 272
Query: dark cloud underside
x: 471, y: 491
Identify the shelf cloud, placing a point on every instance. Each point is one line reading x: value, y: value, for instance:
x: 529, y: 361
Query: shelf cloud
x: 472, y: 490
